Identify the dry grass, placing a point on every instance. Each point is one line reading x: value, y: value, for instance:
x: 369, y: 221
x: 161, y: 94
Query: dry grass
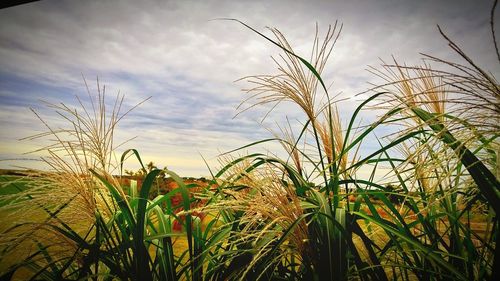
x: 268, y: 209
x: 332, y: 137
x: 288, y: 141
x: 68, y: 193
x: 294, y: 82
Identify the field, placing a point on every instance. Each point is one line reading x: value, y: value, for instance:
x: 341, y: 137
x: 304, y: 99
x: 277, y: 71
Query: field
x: 319, y: 213
x: 15, y: 181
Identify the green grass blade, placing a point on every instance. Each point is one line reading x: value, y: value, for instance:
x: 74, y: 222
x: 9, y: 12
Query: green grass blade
x: 122, y: 203
x: 141, y: 255
x: 429, y: 254
x: 137, y: 155
x: 485, y: 180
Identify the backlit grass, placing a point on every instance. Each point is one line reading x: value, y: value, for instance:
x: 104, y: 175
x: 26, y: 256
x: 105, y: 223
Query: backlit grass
x: 309, y: 216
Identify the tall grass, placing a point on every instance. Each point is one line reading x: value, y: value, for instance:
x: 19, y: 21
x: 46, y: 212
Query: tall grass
x: 444, y: 176
x: 315, y: 215
x: 67, y: 195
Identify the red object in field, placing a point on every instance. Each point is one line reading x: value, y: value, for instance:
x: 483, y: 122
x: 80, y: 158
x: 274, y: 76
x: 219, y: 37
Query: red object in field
x: 167, y: 185
x: 382, y: 212
x: 177, y: 225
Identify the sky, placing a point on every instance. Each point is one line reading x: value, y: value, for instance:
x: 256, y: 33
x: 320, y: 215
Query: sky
x: 188, y: 63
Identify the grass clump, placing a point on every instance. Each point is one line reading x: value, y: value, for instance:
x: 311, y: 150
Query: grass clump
x: 444, y: 176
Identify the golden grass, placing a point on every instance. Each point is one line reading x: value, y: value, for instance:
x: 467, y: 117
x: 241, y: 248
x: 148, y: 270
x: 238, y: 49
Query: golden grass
x: 68, y: 193
x: 294, y: 82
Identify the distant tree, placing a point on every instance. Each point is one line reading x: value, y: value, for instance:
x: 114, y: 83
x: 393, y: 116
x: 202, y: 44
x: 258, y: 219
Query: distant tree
x: 142, y: 172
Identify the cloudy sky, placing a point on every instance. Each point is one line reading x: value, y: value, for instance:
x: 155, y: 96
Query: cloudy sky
x: 187, y: 62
